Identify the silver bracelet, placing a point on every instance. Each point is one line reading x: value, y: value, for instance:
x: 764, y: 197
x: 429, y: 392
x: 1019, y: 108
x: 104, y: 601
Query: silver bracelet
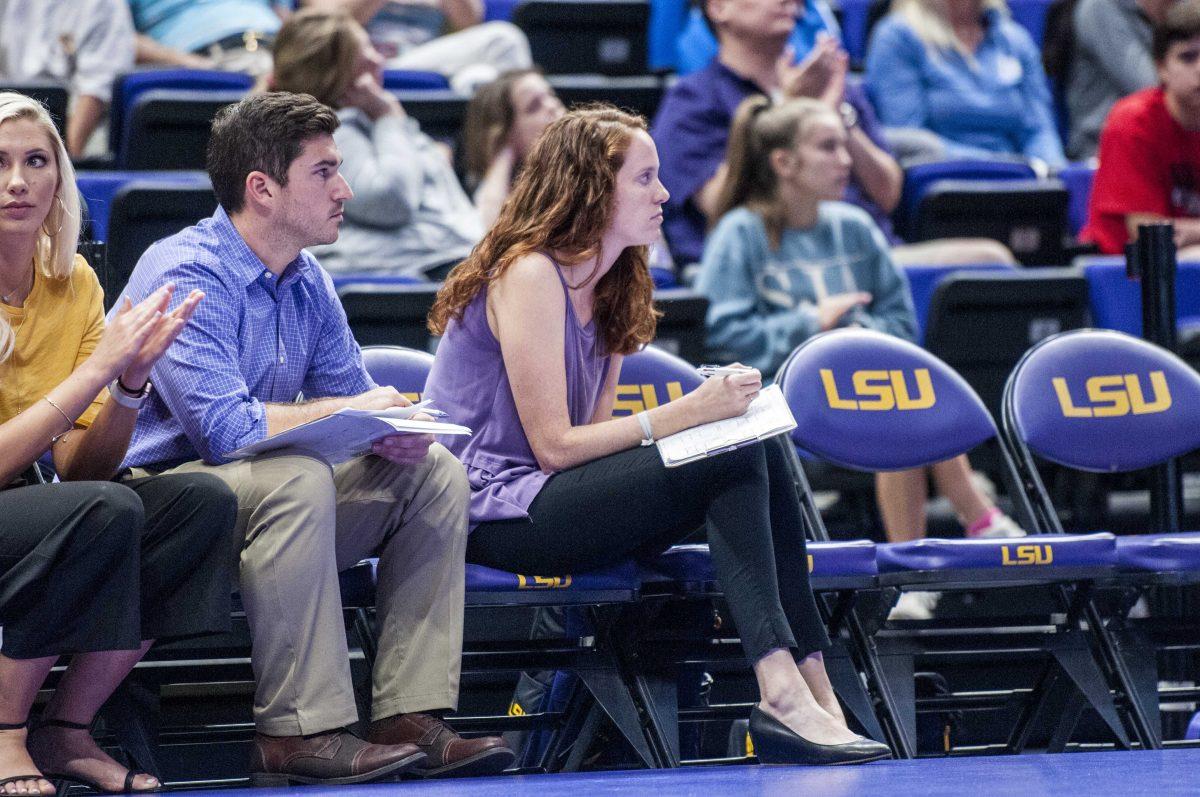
x: 643, y: 420
x: 67, y: 418
x: 124, y: 398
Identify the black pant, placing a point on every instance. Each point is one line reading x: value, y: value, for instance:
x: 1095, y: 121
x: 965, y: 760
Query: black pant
x: 630, y: 504
x: 90, y: 566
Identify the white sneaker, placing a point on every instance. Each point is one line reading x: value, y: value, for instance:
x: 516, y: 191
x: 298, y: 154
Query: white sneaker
x: 1001, y: 525
x: 915, y: 606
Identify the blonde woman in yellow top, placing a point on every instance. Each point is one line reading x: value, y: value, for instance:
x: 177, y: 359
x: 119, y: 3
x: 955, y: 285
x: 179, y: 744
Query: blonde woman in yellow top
x: 88, y: 567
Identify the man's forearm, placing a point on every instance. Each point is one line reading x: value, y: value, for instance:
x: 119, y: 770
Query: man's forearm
x: 151, y: 52
x: 462, y: 14
x: 281, y: 417
x: 877, y: 171
x: 361, y: 10
x: 86, y: 114
x: 1187, y: 231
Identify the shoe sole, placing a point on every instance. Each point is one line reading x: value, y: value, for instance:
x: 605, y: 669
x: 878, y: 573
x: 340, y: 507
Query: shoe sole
x: 880, y: 757
x: 489, y: 762
x: 284, y: 779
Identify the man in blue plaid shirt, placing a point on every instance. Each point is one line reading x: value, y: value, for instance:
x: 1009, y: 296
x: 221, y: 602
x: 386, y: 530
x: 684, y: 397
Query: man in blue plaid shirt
x: 271, y: 328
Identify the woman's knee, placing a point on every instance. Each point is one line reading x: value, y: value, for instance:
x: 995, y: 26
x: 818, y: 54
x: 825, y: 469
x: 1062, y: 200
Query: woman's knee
x: 112, y: 520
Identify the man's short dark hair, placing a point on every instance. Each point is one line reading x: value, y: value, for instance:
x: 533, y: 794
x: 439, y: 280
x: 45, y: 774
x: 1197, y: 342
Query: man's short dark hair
x: 264, y: 133
x: 1181, y: 24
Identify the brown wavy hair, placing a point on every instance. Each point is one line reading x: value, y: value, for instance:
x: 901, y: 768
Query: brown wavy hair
x: 489, y: 120
x: 564, y: 203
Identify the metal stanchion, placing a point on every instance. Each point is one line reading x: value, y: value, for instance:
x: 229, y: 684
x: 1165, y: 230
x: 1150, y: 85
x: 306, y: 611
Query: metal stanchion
x: 1151, y: 260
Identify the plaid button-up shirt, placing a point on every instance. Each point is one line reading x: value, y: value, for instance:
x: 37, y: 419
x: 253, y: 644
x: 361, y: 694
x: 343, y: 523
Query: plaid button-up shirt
x: 254, y: 339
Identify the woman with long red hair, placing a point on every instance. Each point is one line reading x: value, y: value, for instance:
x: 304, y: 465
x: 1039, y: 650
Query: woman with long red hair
x: 535, y: 323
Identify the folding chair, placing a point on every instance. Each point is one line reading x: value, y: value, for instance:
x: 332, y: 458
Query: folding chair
x: 591, y: 656
x: 869, y: 401
x: 838, y: 570
x: 1107, y: 402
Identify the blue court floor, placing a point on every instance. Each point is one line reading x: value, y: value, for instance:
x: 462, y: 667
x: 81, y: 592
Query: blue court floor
x: 1124, y: 773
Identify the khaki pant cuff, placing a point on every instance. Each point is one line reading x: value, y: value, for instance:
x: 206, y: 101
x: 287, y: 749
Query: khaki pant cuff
x: 408, y: 704
x: 307, y: 723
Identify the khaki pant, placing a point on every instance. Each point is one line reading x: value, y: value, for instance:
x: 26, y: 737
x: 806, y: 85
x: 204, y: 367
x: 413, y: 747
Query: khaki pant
x: 300, y: 523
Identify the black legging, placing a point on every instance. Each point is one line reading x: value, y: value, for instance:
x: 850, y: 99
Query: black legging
x: 91, y: 566
x: 629, y: 504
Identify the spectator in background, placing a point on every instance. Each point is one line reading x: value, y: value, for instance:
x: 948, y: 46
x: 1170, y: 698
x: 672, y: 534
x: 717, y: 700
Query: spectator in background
x: 503, y: 120
x: 83, y: 43
x: 692, y: 128
x: 409, y: 214
x: 234, y: 35
x: 697, y: 45
x: 788, y: 261
x: 1150, y: 147
x: 965, y: 71
x: 444, y: 36
x: 1104, y: 55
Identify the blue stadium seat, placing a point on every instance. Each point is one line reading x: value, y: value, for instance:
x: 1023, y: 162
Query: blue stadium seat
x: 412, y: 80
x: 128, y: 88
x: 1116, y: 301
x: 923, y: 279
x: 919, y: 178
x: 169, y: 128
x: 1031, y: 15
x: 872, y: 402
x: 99, y: 188
x: 1078, y: 178
x: 594, y: 664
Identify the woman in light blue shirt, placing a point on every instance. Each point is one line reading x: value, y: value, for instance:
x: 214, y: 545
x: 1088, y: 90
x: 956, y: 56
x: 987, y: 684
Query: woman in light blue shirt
x: 965, y: 71
x: 788, y: 261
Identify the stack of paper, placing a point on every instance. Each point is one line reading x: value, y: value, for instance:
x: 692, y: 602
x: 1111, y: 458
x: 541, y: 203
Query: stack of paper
x: 768, y: 415
x: 348, y: 433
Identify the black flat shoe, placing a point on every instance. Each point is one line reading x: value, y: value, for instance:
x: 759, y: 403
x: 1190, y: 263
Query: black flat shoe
x: 775, y: 743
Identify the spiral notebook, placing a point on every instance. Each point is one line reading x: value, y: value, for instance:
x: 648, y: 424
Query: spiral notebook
x: 767, y: 416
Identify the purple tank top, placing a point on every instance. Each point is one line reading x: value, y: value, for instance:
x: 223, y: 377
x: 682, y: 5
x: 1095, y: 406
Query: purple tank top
x: 470, y: 383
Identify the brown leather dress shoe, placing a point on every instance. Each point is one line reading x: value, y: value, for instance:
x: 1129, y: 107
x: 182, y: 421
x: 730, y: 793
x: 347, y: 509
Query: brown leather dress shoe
x: 447, y: 752
x: 333, y: 758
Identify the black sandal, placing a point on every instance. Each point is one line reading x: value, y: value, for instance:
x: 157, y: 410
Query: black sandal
x: 130, y: 776
x: 16, y: 726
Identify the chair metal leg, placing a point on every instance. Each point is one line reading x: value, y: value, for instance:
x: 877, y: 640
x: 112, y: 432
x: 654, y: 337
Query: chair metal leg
x: 1072, y: 652
x: 897, y: 673
x: 1144, y: 732
x: 611, y: 694
x: 848, y: 685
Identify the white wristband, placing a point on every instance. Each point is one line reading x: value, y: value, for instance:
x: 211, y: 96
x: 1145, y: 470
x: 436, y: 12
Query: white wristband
x: 132, y: 401
x: 647, y: 432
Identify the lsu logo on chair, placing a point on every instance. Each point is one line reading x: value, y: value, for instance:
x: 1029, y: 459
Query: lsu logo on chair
x: 632, y: 399
x: 879, y: 391
x: 543, y: 582
x: 1114, y: 395
x: 1028, y: 554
